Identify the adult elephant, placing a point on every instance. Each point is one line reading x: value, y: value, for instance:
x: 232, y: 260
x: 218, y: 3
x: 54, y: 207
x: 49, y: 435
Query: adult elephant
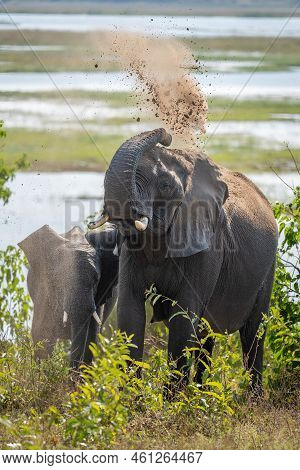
x: 204, y: 235
x: 71, y: 281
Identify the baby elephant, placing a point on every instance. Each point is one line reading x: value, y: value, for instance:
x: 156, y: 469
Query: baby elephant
x: 72, y: 282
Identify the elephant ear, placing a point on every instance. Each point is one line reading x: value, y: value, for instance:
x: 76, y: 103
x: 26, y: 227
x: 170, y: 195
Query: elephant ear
x: 196, y: 217
x: 107, y: 240
x: 76, y: 236
x: 36, y: 245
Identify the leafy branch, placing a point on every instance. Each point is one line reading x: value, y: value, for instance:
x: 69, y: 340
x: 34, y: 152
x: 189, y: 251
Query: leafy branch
x: 7, y: 173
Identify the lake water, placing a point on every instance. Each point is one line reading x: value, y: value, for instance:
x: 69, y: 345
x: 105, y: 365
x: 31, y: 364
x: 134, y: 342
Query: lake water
x: 65, y: 199
x: 260, y: 84
x: 55, y: 115
x: 201, y: 26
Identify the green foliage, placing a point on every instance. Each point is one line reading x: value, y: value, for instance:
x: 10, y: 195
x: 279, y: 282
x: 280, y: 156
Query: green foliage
x: 287, y: 280
x: 110, y: 394
x: 7, y: 173
x: 28, y: 391
x: 283, y: 323
x: 15, y: 305
x: 97, y: 410
x: 224, y: 377
x: 41, y: 407
x: 25, y: 383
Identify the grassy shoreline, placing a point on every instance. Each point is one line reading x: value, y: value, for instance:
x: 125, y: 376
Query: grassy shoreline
x: 81, y: 51
x: 93, y: 152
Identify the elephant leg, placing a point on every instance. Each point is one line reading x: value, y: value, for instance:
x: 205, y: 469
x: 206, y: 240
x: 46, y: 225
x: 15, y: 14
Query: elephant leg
x: 131, y: 317
x: 252, y: 346
x: 109, y: 306
x: 131, y: 314
x: 252, y: 341
x: 202, y: 358
x: 182, y: 335
x: 79, y: 337
x: 93, y: 330
x: 194, y: 297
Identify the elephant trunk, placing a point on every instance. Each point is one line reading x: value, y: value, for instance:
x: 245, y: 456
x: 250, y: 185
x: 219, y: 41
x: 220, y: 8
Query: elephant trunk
x: 120, y: 179
x: 79, y: 338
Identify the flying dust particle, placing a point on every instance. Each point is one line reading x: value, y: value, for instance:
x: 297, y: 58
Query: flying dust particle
x: 166, y: 86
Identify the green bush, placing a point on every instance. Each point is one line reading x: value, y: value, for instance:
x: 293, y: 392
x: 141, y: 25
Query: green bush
x: 283, y: 322
x: 110, y: 394
x: 41, y: 407
x: 7, y: 173
x: 97, y: 410
x: 15, y: 304
x: 25, y: 383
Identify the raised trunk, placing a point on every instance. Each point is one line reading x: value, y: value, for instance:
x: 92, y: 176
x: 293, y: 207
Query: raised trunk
x: 120, y: 176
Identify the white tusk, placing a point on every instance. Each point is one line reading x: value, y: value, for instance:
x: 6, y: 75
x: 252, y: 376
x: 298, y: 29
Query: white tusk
x: 96, y: 316
x: 116, y: 250
x: 141, y: 224
x: 65, y: 318
x: 98, y: 222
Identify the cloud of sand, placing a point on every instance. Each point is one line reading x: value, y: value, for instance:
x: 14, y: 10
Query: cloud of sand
x: 166, y: 87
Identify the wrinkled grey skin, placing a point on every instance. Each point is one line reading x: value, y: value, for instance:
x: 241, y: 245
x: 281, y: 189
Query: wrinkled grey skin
x: 216, y: 237
x: 75, y: 273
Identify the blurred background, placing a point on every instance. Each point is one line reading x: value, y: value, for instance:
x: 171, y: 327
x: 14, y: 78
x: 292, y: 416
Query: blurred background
x: 68, y: 106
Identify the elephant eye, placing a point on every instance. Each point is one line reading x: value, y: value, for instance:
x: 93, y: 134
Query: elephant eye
x: 164, y: 185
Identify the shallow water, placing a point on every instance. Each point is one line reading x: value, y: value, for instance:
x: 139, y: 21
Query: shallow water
x: 40, y: 81
x: 269, y: 134
x: 37, y: 114
x: 229, y: 65
x: 54, y: 115
x: 65, y: 199
x: 201, y: 26
x: 260, y: 84
x: 29, y: 48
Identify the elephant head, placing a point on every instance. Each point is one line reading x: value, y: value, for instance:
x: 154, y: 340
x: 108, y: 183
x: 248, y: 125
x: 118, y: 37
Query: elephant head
x: 68, y: 284
x: 154, y: 193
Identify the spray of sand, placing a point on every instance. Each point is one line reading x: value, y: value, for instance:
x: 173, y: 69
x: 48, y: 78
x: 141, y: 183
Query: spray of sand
x: 165, y: 85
